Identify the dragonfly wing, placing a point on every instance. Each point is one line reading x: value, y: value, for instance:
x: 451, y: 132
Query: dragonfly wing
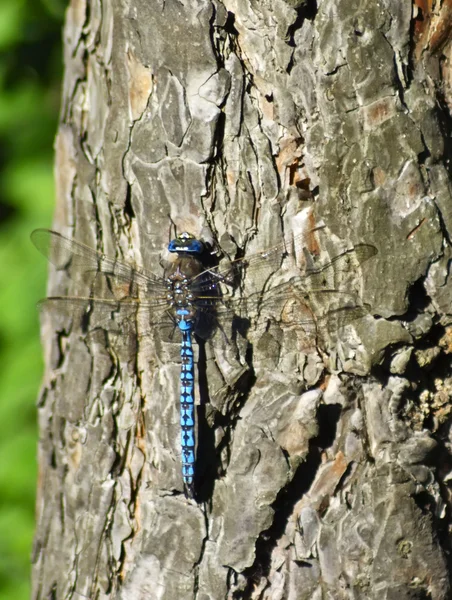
x: 295, y: 306
x: 304, y: 298
x: 64, y: 253
x: 337, y: 318
x: 298, y: 253
x: 260, y: 265
x: 340, y: 268
x: 87, y: 314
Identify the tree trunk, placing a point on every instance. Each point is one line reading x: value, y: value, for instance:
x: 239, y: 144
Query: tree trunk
x: 323, y: 459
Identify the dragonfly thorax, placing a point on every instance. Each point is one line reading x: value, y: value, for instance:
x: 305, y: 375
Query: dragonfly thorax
x: 180, y: 296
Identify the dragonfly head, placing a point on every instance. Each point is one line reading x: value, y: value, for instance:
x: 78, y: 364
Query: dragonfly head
x: 185, y: 243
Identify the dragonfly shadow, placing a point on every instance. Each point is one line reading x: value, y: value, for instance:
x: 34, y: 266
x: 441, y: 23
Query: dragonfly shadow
x: 210, y: 420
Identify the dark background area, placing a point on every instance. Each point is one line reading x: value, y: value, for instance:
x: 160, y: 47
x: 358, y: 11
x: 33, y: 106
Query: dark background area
x: 30, y: 80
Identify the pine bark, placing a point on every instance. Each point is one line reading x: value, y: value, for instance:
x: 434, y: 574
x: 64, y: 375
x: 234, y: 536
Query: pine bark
x: 323, y: 471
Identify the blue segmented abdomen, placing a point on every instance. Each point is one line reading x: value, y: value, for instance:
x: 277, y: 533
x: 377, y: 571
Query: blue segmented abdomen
x: 187, y: 402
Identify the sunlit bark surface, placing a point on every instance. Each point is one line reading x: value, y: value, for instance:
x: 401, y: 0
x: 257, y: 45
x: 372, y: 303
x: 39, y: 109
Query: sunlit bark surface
x: 323, y: 457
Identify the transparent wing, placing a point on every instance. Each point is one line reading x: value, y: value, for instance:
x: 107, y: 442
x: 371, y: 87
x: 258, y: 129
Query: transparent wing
x: 261, y: 265
x: 101, y: 310
x: 317, y: 288
x: 309, y: 299
x: 125, y: 318
x: 63, y: 253
x: 312, y: 311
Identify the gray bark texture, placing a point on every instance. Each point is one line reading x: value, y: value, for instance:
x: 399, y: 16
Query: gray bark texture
x: 324, y: 460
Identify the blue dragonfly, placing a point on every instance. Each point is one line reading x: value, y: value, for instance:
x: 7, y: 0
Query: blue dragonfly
x: 194, y: 299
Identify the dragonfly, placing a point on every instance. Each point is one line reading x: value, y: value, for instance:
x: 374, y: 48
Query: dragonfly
x: 193, y: 299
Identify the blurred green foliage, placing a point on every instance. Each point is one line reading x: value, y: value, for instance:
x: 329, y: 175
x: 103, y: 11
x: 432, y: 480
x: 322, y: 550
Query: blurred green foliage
x: 30, y: 74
